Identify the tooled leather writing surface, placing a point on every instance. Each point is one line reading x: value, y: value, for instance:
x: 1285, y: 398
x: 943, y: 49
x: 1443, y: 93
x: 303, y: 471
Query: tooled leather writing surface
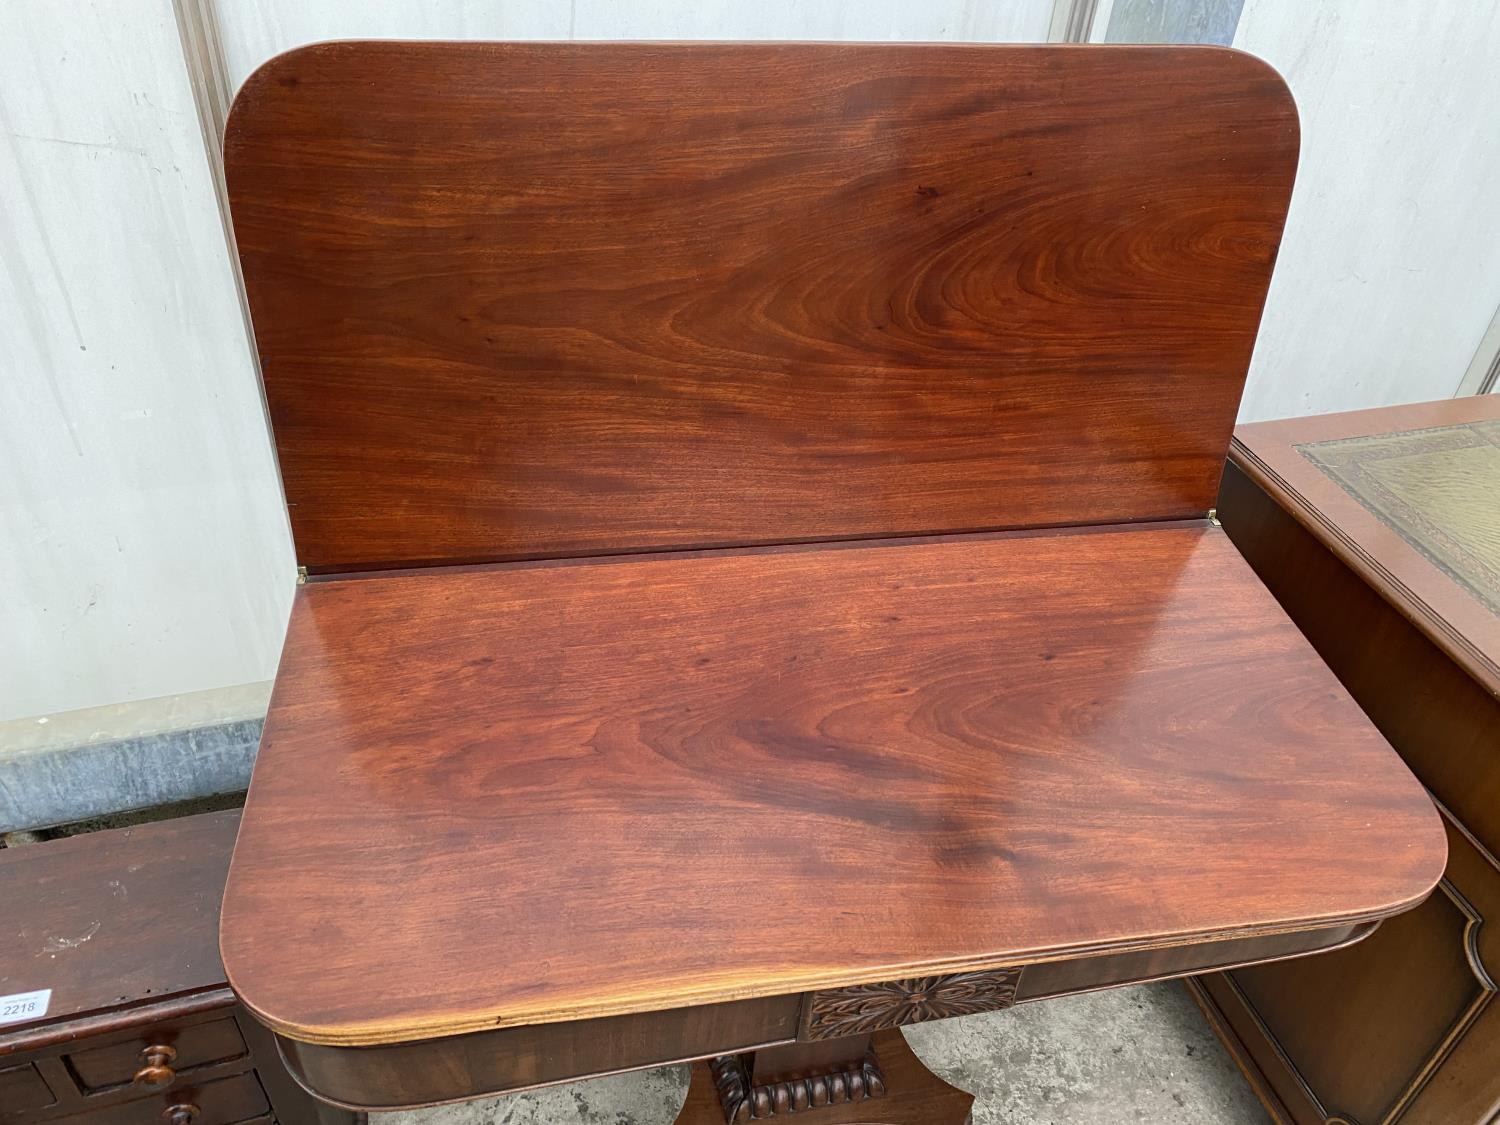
x: 1432, y: 555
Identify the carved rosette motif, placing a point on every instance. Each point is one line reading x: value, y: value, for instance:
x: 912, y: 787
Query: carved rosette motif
x: 743, y: 1102
x: 833, y: 1013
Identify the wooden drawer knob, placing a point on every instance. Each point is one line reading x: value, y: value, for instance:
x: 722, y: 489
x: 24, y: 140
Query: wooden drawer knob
x: 180, y: 1114
x: 156, y: 1072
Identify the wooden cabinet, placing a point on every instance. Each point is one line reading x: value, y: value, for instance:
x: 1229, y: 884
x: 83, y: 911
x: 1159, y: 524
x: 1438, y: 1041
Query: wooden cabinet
x: 114, y: 937
x: 1379, y: 532
x: 24, y: 1090
x: 168, y: 1051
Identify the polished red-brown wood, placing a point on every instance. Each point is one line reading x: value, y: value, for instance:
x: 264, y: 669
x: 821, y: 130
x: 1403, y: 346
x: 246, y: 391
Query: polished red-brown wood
x: 649, y: 315
x: 528, y: 793
x: 763, y: 1031
x: 424, y: 1071
x: 530, y: 299
x: 1406, y: 1025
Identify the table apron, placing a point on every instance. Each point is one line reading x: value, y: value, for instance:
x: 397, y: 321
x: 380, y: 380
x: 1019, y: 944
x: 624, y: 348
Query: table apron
x: 511, y: 1059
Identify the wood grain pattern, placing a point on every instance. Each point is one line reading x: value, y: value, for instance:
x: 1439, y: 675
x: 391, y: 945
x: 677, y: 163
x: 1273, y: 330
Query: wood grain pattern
x: 539, y: 301
x: 429, y: 1071
x: 524, y: 300
x: 1381, y: 642
x: 1404, y: 1026
x: 908, y: 759
x: 426, y: 1071
x: 85, y: 915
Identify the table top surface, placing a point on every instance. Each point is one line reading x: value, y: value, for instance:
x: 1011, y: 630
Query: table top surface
x: 533, y: 792
x: 529, y: 300
x: 108, y: 920
x: 1410, y: 497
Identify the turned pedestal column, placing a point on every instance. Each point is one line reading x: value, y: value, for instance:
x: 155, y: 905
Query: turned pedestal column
x: 859, y: 1080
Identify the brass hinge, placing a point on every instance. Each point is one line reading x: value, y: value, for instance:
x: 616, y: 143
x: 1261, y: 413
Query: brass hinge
x: 1213, y: 517
x: 302, y: 576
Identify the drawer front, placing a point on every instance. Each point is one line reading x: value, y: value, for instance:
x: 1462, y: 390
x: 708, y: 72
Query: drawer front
x: 225, y: 1101
x: 223, y: 1062
x: 23, y: 1088
x: 181, y: 1051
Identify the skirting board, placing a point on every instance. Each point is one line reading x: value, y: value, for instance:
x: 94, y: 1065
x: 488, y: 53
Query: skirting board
x: 64, y: 768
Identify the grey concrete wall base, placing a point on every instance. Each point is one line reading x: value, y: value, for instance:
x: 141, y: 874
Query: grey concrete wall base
x: 40, y: 788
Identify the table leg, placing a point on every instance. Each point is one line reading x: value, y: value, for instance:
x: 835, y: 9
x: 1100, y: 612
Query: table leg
x: 867, y: 1080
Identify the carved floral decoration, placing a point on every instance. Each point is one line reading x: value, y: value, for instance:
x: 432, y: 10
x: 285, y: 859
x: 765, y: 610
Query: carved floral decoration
x: 833, y: 1013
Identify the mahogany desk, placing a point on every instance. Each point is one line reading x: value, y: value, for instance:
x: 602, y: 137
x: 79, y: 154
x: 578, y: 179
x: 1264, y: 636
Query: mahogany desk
x: 759, y: 589
x: 1379, y: 532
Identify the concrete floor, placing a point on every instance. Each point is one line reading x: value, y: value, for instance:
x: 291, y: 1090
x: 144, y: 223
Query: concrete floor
x: 1130, y: 1054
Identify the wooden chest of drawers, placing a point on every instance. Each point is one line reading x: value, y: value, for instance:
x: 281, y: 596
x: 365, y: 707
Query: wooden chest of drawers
x: 114, y: 1009
x: 1379, y: 533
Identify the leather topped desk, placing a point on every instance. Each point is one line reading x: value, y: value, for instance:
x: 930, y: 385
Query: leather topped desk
x: 1379, y: 533
x: 760, y: 587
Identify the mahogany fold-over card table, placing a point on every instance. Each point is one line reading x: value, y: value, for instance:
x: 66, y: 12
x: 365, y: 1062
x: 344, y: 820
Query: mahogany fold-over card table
x: 761, y: 590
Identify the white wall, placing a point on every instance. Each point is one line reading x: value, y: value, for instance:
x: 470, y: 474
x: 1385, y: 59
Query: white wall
x: 143, y: 546
x: 143, y: 542
x: 255, y: 30
x: 1390, y: 269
